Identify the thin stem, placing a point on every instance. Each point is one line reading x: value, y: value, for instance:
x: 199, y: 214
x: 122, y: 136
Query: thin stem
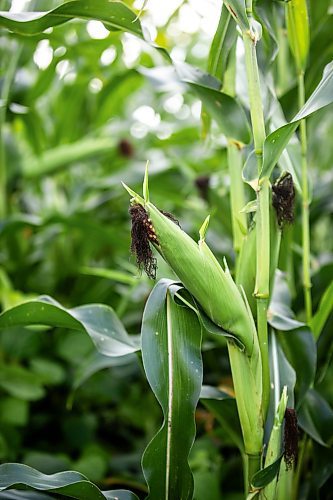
x: 8, y: 79
x: 253, y: 465
x: 305, y: 207
x: 262, y: 218
x: 237, y: 197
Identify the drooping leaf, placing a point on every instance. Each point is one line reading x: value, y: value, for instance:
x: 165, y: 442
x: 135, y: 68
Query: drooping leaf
x: 70, y: 484
x: 114, y: 15
x: 315, y: 417
x: 97, y: 320
x: 171, y: 341
x: 226, y: 111
x: 96, y: 362
x: 276, y: 141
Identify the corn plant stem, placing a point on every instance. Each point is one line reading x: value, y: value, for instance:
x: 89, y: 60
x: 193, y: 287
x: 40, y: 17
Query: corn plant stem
x: 253, y: 465
x: 237, y: 197
x: 305, y: 206
x: 262, y: 226
x: 8, y: 79
x: 303, y: 448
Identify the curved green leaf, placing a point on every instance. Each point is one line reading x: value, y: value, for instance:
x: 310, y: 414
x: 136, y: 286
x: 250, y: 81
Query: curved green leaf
x: 324, y: 310
x: 97, y: 320
x: 114, y: 15
x: 276, y: 141
x: 315, y: 417
x: 171, y: 342
x: 70, y: 484
x: 266, y: 475
x: 226, y: 111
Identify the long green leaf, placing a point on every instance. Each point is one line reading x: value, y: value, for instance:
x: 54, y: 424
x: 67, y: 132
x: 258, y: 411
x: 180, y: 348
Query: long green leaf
x: 171, y: 342
x: 115, y: 16
x: 276, y: 141
x: 315, y: 417
x: 237, y: 9
x: 324, y: 310
x: 298, y: 31
x: 97, y: 320
x: 224, y: 38
x: 57, y: 158
x: 70, y: 484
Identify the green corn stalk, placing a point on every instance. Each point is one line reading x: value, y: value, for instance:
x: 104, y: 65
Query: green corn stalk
x: 226, y: 305
x: 275, y: 445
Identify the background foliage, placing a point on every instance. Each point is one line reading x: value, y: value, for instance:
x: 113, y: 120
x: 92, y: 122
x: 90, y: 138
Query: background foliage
x: 83, y: 109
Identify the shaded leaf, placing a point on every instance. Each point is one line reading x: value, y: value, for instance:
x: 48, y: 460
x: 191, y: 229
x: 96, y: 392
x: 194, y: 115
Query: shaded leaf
x: 224, y: 408
x: 315, y: 416
x: 266, y: 475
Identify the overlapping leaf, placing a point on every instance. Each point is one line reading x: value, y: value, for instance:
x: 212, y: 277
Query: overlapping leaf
x: 69, y: 484
x: 171, y: 342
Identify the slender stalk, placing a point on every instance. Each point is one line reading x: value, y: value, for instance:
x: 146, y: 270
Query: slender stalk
x: 305, y: 206
x: 5, y: 91
x: 253, y: 465
x: 262, y: 225
x: 237, y: 197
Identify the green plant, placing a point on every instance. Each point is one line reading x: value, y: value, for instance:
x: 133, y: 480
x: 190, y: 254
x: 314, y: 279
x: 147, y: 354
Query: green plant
x: 65, y: 227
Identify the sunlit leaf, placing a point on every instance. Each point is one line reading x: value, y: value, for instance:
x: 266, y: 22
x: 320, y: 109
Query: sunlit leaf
x: 114, y: 15
x: 98, y: 321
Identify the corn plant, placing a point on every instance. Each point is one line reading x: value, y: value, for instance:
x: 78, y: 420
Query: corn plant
x: 199, y: 300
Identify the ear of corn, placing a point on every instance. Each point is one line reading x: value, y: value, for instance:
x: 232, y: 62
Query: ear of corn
x: 200, y: 272
x: 226, y: 305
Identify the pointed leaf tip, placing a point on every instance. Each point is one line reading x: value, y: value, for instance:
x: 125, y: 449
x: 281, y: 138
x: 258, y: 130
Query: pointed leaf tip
x: 135, y: 196
x: 145, y: 187
x: 204, y: 227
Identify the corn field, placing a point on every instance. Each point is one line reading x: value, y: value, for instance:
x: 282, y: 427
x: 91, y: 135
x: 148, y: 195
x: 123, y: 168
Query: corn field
x: 166, y: 263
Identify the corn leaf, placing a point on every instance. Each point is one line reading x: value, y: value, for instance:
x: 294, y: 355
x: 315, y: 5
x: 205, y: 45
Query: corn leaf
x: 171, y: 342
x: 324, y: 310
x: 69, y: 484
x: 98, y: 321
x: 224, y: 38
x: 114, y: 15
x: 237, y: 9
x: 315, y: 417
x: 298, y: 31
x: 276, y: 142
